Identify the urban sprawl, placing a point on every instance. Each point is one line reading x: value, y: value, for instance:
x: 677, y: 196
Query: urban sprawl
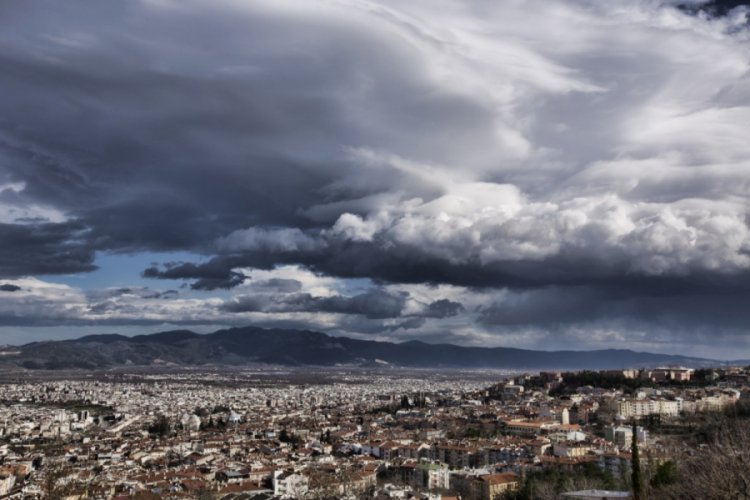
x: 350, y: 433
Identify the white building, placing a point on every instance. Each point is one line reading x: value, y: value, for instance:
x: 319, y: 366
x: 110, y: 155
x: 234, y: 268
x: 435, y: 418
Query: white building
x: 289, y: 484
x: 622, y: 436
x: 645, y: 407
x: 6, y: 483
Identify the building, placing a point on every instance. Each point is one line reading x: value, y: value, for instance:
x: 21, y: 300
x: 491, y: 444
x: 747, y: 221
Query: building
x: 643, y: 407
x: 289, y: 484
x: 494, y: 486
x: 622, y: 436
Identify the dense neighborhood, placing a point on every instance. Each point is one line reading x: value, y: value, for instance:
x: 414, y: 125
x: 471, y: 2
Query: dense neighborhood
x: 346, y: 434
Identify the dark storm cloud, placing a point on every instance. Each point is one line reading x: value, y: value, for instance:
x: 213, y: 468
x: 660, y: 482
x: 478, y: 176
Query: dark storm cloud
x: 390, y: 263
x: 712, y: 7
x: 373, y: 304
x: 278, y: 285
x: 143, y: 293
x: 409, y: 324
x: 394, y: 328
x: 218, y: 283
x: 44, y: 249
x: 566, y: 168
x: 444, y: 308
x: 7, y: 287
x: 211, y: 276
x: 174, y: 148
x: 395, y: 262
x: 673, y: 303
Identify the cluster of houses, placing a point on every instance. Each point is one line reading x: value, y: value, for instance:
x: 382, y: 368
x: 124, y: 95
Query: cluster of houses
x: 374, y: 437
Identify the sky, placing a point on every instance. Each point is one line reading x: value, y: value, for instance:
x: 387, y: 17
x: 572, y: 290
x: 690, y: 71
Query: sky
x: 542, y: 174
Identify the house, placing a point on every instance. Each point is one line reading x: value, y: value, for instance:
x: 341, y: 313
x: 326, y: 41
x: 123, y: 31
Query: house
x: 527, y: 429
x: 483, y: 486
x: 494, y: 486
x: 289, y: 484
x: 7, y: 480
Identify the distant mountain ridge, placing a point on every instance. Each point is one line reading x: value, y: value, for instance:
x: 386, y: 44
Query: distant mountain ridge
x: 239, y: 346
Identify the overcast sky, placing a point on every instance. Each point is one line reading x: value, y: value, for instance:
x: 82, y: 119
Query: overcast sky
x: 540, y: 173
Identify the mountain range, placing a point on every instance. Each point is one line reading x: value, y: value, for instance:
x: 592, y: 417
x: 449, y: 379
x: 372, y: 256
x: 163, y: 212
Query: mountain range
x: 246, y: 345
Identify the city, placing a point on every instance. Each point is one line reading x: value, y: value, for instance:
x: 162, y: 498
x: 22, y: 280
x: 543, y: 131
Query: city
x: 350, y: 433
x: 375, y: 249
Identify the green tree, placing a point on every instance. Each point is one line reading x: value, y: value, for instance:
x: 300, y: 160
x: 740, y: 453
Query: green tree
x: 161, y: 427
x: 666, y: 474
x: 284, y: 436
x: 405, y: 401
x: 636, y: 478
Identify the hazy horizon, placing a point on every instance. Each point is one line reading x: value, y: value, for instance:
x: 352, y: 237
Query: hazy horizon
x: 58, y: 335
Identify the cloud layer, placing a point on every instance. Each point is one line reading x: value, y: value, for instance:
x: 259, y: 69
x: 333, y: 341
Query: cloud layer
x: 481, y: 172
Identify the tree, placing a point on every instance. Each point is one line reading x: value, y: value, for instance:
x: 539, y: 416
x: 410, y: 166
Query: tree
x: 61, y: 481
x: 666, y: 474
x: 203, y: 493
x: 548, y: 484
x: 405, y: 402
x: 323, y: 485
x: 161, y: 427
x: 721, y: 470
x: 636, y: 478
x: 53, y: 476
